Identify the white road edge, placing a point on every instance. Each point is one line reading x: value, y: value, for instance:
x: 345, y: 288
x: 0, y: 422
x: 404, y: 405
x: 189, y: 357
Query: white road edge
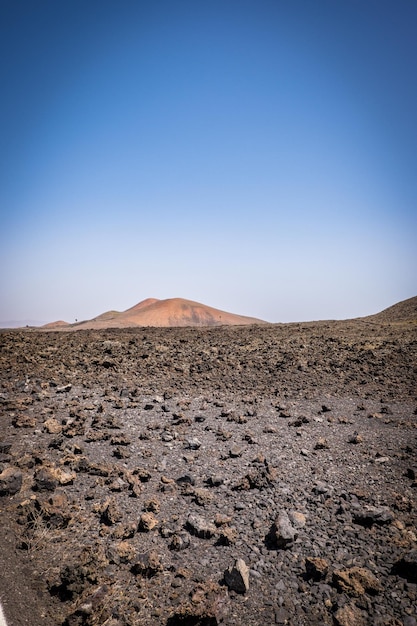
x: 2, y: 618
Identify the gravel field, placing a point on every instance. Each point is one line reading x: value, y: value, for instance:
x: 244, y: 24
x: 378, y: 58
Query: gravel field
x: 236, y: 475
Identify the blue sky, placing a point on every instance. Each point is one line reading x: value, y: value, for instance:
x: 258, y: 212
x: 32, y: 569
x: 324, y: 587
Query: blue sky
x: 257, y: 156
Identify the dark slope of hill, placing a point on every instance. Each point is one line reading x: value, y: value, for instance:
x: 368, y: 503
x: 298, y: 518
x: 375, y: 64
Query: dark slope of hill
x: 405, y: 311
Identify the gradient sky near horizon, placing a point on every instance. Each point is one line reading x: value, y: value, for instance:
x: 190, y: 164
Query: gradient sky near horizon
x: 257, y: 156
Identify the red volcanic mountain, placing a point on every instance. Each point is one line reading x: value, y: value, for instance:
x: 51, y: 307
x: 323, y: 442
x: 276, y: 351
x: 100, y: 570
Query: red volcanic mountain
x: 171, y: 312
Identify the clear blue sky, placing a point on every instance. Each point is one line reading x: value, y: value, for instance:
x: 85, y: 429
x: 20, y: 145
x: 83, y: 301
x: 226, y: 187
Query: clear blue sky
x: 258, y: 156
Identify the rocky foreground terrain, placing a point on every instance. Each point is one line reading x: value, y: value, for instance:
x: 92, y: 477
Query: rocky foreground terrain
x: 235, y: 475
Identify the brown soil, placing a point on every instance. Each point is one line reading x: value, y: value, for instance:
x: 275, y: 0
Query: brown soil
x: 139, y: 465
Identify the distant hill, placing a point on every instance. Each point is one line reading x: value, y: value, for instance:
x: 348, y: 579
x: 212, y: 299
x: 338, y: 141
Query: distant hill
x: 58, y: 324
x: 178, y: 312
x: 405, y: 311
x: 161, y: 313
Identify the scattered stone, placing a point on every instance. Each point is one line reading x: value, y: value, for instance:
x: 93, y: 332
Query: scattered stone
x: 52, y: 426
x: 193, y: 443
x: 121, y: 453
x: 300, y: 421
x: 147, y: 522
x: 202, y: 497
x: 236, y: 577
x: 237, y: 418
x: 64, y: 388
x: 283, y: 534
x: 54, y: 510
x: 282, y: 616
x: 200, y: 527
x: 321, y: 444
x: 207, y: 607
x: 153, y: 505
x: 343, y: 420
x: 167, y: 481
x: 406, y: 567
x: 133, y: 484
x: 227, y: 536
x: 350, y: 615
x: 24, y: 421
x: 45, y: 479
x: 316, y: 567
x: 124, y: 531
x: 125, y: 551
x: 223, y: 435
x: 143, y: 474
x: 261, y: 477
x: 355, y: 438
x: 356, y: 581
x: 120, y: 440
x: 64, y: 477
x: 382, y: 459
x: 377, y: 416
x: 179, y: 418
x: 179, y: 541
x: 109, y: 513
x: 222, y: 520
x: 215, y: 481
x: 185, y: 480
x: 10, y: 481
x: 370, y: 515
x: 147, y: 564
x: 322, y: 489
x: 73, y: 579
x: 297, y: 518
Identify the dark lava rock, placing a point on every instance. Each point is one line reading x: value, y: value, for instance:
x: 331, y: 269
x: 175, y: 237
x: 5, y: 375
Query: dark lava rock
x: 147, y: 564
x: 282, y: 534
x: 261, y: 477
x: 373, y: 515
x: 221, y: 374
x: 10, y: 481
x: 179, y: 541
x: 45, y: 479
x: 236, y: 577
x: 110, y: 513
x: 406, y: 567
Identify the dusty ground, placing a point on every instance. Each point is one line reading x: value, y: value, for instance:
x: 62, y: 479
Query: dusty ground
x: 139, y: 466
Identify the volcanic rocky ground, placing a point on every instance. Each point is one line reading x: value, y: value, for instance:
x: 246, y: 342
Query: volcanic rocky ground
x: 234, y: 475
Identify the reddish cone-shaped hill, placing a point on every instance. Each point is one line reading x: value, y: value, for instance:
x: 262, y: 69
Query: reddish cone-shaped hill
x: 166, y: 313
